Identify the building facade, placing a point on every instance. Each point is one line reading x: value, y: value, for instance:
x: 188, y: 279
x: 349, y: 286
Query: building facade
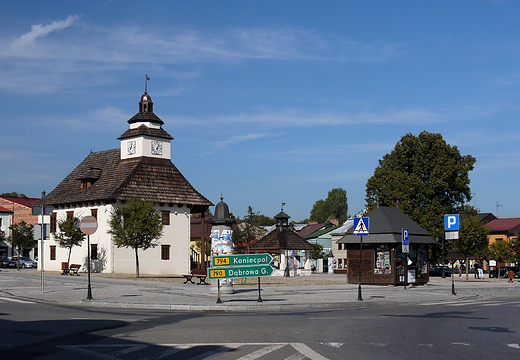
x: 141, y: 168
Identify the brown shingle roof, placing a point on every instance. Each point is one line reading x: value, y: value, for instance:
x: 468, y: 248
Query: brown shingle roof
x: 145, y: 130
x: 282, y: 240
x: 156, y: 180
x: 145, y: 116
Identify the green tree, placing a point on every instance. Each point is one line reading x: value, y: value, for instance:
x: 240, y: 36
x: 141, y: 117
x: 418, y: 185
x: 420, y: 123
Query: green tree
x: 14, y: 194
x: 246, y: 232
x: 21, y: 237
x: 515, y: 247
x: 69, y: 234
x: 136, y: 224
x: 317, y: 253
x: 207, y: 245
x: 502, y: 252
x: 335, y: 206
x: 424, y: 177
x: 473, y: 236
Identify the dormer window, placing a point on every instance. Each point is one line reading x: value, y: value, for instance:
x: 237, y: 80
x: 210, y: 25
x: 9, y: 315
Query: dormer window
x: 88, y: 178
x: 85, y: 184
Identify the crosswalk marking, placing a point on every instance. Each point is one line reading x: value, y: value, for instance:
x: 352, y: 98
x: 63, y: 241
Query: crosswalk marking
x: 302, y: 350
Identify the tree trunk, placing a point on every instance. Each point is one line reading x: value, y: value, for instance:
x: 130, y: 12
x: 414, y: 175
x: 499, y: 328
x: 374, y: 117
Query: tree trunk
x: 68, y: 260
x: 136, y: 262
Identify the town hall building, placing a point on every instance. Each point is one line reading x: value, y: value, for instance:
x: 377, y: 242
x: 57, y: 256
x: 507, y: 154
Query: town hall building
x: 141, y: 168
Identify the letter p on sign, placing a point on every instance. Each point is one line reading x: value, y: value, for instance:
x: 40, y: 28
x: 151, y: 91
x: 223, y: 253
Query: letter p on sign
x: 451, y: 222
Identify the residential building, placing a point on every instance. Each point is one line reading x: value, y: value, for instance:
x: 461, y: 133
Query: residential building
x: 20, y: 210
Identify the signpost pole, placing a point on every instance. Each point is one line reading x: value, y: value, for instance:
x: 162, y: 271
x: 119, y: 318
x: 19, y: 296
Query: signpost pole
x: 259, y: 295
x: 359, y: 297
x: 40, y: 254
x: 451, y: 222
x: 452, y: 273
x: 89, y: 292
x: 218, y: 292
x: 88, y: 226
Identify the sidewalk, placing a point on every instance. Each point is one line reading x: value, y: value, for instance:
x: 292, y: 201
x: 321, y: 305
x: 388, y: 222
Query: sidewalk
x: 315, y: 292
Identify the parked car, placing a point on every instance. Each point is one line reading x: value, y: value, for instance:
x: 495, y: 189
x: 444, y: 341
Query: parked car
x: 437, y: 271
x: 5, y: 262
x: 25, y: 262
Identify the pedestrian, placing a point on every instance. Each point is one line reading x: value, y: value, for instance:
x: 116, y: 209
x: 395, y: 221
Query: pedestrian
x: 476, y: 270
x: 480, y: 271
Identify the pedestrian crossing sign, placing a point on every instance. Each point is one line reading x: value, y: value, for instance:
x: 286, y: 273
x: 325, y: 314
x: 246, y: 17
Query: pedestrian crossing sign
x: 361, y: 226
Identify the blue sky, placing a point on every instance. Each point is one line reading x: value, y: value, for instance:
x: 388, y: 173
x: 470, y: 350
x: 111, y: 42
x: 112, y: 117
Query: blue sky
x: 268, y: 101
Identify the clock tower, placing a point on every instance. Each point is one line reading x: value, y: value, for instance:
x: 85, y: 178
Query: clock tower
x: 146, y: 137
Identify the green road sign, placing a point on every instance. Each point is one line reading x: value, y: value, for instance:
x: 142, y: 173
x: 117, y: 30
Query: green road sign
x: 241, y: 260
x: 240, y: 271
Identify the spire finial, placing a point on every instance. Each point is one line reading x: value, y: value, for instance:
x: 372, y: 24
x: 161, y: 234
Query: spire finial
x: 146, y: 83
x: 221, y: 197
x: 283, y: 204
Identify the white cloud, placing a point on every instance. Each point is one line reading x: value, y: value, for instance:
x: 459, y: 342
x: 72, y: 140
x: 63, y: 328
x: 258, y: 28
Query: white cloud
x: 40, y: 30
x: 241, y: 138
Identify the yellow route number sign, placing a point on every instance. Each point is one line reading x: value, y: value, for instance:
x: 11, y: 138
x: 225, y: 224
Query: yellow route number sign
x: 217, y: 273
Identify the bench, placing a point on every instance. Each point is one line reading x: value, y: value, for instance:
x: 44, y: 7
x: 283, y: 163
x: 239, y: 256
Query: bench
x: 200, y: 274
x: 71, y: 270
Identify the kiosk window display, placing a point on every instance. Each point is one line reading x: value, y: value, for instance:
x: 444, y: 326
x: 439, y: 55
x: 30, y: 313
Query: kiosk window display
x: 383, y: 261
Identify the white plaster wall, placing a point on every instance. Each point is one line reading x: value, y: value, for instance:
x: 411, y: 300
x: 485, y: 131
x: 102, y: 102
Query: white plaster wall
x: 122, y: 260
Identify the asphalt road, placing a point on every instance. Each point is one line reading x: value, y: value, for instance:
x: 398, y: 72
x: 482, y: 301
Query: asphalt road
x: 471, y: 329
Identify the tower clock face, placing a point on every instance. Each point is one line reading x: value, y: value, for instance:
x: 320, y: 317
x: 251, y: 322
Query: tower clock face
x: 130, y: 148
x: 156, y: 148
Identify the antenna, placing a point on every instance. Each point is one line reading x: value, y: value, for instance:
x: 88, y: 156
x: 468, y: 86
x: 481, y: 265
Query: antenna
x: 497, y: 209
x: 146, y: 83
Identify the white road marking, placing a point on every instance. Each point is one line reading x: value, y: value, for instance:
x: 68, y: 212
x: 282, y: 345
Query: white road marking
x: 303, y: 351
x: 17, y: 300
x: 332, y: 344
x: 514, y: 346
x: 263, y: 351
x: 307, y: 351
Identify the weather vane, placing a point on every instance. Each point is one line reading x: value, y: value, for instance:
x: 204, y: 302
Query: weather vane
x: 283, y: 204
x: 146, y: 83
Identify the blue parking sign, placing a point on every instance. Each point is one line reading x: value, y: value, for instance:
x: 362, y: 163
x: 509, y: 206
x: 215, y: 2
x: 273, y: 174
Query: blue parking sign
x: 406, y: 236
x: 451, y: 222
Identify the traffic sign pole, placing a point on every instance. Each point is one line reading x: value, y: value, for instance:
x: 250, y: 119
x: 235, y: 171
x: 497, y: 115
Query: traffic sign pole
x: 451, y: 222
x: 360, y: 228
x: 88, y: 226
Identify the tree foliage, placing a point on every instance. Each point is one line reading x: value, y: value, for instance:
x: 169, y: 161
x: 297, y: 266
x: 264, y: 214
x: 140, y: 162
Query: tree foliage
x: 424, y: 177
x: 69, y: 234
x: 335, y: 206
x: 473, y: 235
x: 247, y: 231
x: 317, y: 253
x: 136, y: 224
x: 21, y: 237
x: 14, y: 194
x: 502, y: 252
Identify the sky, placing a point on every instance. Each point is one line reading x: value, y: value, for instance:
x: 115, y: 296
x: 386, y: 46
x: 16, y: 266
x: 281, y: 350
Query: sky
x: 269, y: 102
